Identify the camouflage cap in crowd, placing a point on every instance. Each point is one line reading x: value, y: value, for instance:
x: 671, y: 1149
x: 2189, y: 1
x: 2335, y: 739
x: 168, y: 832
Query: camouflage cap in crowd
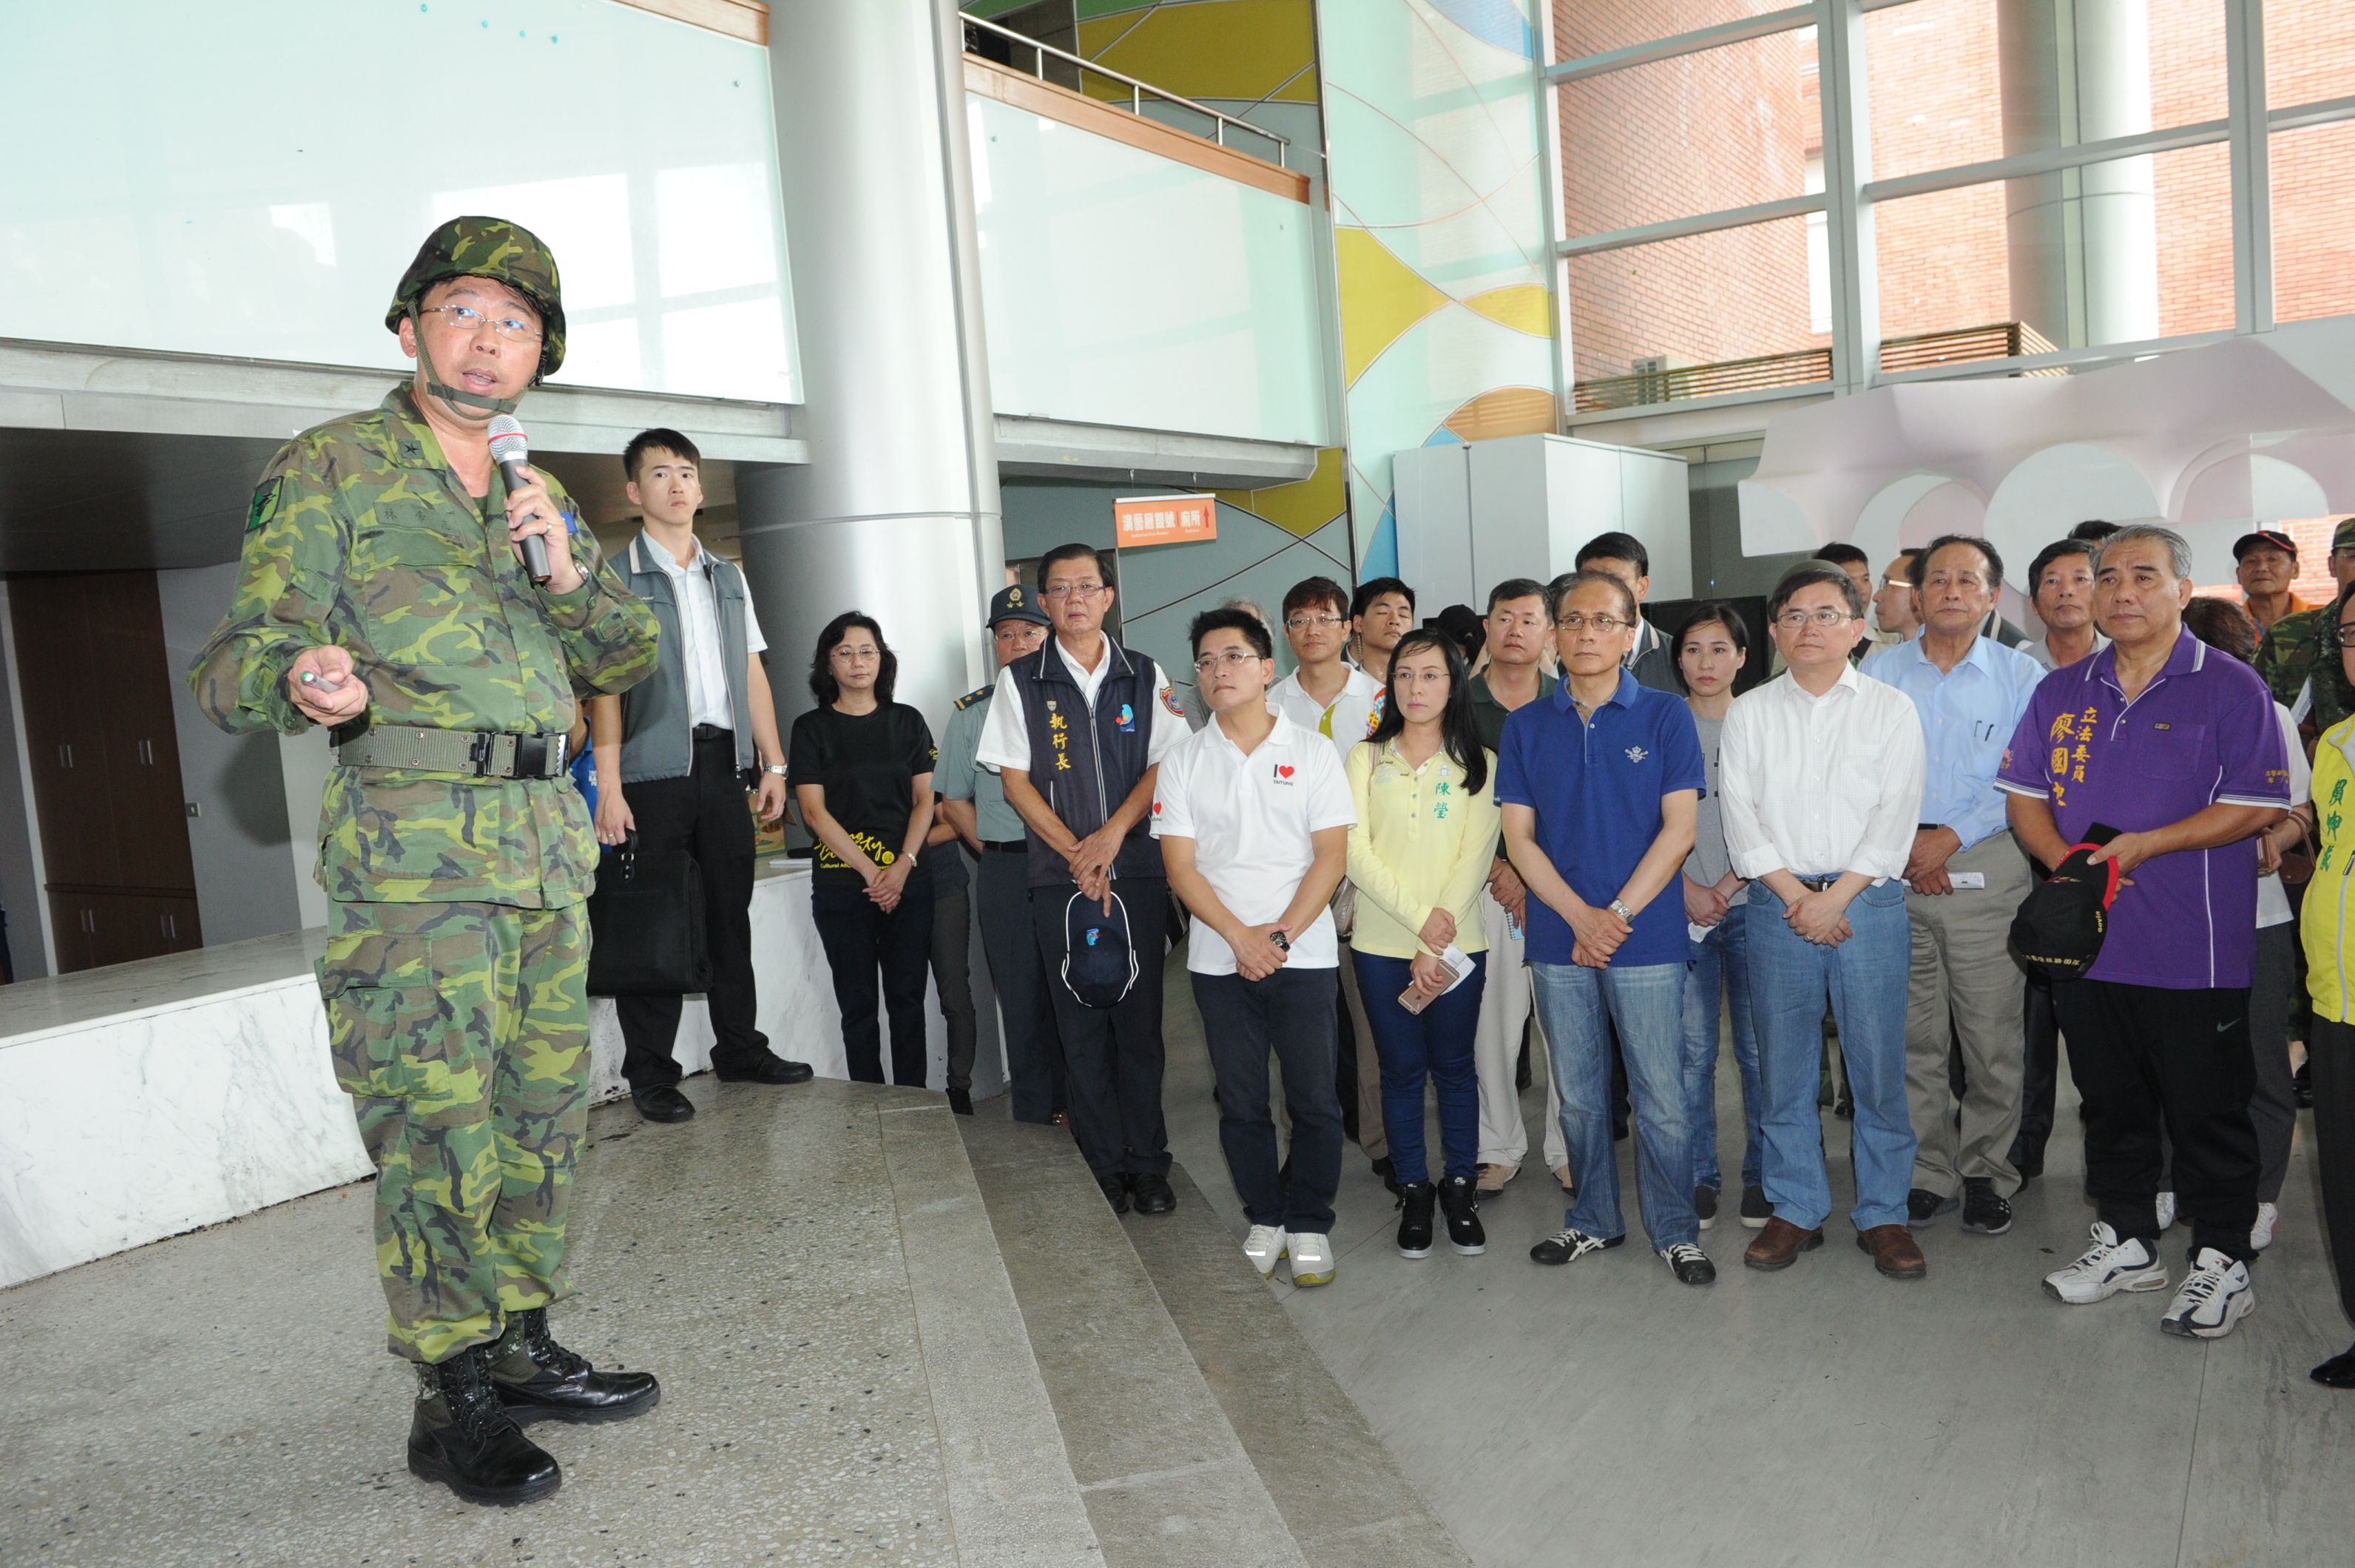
x: 2344, y: 535
x: 489, y: 247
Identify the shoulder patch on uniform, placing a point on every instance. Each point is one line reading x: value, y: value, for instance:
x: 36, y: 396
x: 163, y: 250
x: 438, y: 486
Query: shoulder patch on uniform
x: 264, y: 506
x: 1169, y: 701
x: 970, y: 697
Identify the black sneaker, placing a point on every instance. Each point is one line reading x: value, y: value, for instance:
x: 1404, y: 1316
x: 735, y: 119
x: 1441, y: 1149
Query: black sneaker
x: 1756, y: 1210
x: 1983, y: 1213
x: 1690, y: 1265
x: 1417, y: 1200
x: 1922, y: 1207
x: 1705, y: 1205
x: 1460, y: 1200
x: 1571, y: 1245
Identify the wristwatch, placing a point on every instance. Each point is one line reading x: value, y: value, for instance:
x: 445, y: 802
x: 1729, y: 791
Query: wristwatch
x: 1281, y: 940
x: 776, y: 768
x: 1620, y: 909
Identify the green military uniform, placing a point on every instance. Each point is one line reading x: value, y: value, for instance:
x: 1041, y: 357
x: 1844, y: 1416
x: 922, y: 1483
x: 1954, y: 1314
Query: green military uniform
x: 457, y: 950
x: 2304, y: 646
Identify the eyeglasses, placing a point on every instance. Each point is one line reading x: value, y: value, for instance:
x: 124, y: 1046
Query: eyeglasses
x: 856, y: 655
x: 467, y: 318
x: 1234, y: 658
x: 1799, y: 620
x: 1605, y: 625
x: 1305, y: 623
x: 2346, y: 636
x: 1083, y: 591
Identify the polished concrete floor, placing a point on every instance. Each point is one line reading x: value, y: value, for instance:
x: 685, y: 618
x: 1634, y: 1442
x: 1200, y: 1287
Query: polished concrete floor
x: 1602, y: 1412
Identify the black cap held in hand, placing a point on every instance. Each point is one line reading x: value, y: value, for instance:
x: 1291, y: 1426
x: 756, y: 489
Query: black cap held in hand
x: 2059, y: 929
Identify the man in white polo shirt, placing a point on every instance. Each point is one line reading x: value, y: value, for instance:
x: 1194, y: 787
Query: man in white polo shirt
x: 1338, y: 702
x: 1253, y: 814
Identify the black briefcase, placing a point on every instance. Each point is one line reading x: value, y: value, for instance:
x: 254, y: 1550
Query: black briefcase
x: 646, y: 920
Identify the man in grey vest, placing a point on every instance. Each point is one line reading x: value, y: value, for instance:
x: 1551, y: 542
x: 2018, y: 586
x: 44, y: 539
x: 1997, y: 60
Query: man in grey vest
x: 672, y: 757
x: 973, y: 803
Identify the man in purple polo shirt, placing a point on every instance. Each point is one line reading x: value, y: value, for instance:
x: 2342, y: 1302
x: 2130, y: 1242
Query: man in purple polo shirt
x: 2178, y: 748
x: 1601, y: 785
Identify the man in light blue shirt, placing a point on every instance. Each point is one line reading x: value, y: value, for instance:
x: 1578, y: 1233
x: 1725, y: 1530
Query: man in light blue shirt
x: 1964, y: 881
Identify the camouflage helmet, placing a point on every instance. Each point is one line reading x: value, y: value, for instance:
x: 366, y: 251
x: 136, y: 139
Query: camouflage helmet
x: 489, y: 247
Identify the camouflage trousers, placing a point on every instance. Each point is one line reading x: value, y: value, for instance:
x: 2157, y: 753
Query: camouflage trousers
x: 461, y: 1032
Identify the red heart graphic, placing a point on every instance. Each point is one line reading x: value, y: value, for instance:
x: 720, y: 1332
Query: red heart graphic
x: 1284, y: 771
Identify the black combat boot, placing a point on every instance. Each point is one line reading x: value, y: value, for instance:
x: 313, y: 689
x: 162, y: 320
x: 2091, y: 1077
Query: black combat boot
x: 462, y: 1437
x: 539, y: 1380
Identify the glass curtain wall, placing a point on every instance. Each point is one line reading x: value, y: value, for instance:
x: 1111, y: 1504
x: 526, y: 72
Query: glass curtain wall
x: 1761, y: 199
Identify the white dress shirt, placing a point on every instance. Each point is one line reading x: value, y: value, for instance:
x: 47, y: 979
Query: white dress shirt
x: 1250, y: 818
x: 1346, y: 722
x: 699, y: 628
x: 1819, y: 786
x: 1005, y: 737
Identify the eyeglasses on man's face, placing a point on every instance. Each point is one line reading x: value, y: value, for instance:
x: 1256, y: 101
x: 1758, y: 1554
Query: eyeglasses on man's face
x: 1080, y: 591
x: 467, y: 319
x: 1577, y: 621
x: 1232, y: 658
x: 1313, y: 623
x: 1799, y: 620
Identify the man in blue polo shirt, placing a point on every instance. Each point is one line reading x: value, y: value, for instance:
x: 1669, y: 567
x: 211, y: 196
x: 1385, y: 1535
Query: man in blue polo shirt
x: 1600, y: 784
x: 2178, y: 748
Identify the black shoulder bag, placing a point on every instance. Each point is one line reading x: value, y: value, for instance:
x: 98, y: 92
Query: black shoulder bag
x: 647, y: 921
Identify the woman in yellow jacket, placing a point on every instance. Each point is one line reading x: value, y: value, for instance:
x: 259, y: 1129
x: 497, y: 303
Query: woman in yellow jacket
x: 2328, y: 935
x: 1419, y: 858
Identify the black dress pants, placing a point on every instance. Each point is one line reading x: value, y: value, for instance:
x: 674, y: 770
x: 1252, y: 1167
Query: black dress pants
x: 2330, y: 1047
x: 862, y: 940
x: 2039, y: 1082
x: 2146, y: 1057
x: 705, y: 813
x: 1034, y: 1051
x: 1113, y: 1056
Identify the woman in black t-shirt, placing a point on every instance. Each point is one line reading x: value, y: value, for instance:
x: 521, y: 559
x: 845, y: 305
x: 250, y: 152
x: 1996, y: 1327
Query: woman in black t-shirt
x: 862, y: 771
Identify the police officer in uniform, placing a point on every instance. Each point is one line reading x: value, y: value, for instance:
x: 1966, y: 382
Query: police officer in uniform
x: 383, y: 593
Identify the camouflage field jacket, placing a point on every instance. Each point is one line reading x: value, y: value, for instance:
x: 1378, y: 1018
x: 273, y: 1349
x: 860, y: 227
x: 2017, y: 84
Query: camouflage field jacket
x: 361, y: 536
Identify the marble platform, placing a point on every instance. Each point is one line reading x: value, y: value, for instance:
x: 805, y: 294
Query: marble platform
x: 146, y: 1099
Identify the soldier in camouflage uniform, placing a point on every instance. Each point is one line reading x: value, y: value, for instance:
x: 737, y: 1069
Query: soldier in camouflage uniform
x: 382, y: 592
x: 2298, y: 658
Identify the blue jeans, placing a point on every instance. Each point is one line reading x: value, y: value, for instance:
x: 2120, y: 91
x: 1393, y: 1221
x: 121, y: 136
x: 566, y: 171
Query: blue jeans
x: 1866, y: 979
x: 1646, y: 1002
x: 1437, y: 1042
x: 1723, y: 955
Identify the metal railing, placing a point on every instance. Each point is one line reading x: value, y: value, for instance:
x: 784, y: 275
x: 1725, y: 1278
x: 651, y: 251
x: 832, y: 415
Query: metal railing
x: 1676, y: 383
x: 1998, y: 340
x: 1138, y: 90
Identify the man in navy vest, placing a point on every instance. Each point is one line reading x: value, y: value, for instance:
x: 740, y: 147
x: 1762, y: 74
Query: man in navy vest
x: 1077, y: 732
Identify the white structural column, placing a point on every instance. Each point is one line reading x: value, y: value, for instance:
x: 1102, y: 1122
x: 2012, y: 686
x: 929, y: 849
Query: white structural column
x: 2084, y: 242
x: 896, y: 512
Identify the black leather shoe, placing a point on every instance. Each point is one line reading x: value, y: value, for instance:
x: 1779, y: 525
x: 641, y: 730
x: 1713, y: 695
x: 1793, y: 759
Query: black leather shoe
x: 539, y: 1380
x: 2336, y: 1372
x: 460, y: 1435
x: 663, y: 1103
x: 1115, y: 1191
x: 766, y: 1068
x: 1153, y: 1194
x: 1388, y: 1170
x: 961, y: 1102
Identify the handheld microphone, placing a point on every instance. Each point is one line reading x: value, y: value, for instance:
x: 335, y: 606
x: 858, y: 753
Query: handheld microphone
x: 511, y: 449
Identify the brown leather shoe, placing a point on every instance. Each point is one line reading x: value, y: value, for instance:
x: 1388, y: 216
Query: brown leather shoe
x: 1893, y: 1252
x: 1779, y: 1244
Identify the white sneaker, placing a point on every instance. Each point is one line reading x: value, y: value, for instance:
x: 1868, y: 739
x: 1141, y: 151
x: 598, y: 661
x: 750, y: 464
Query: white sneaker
x: 2216, y: 1294
x: 1264, y: 1246
x: 2165, y: 1211
x: 1312, y: 1260
x: 2108, y: 1267
x: 2261, y: 1235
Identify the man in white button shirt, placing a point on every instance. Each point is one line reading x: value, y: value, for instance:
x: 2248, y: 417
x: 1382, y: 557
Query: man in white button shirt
x: 1253, y: 814
x: 1337, y: 699
x: 672, y: 756
x: 1823, y: 775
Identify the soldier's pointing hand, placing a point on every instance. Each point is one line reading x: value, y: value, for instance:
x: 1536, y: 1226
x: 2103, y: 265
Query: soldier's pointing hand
x: 334, y: 691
